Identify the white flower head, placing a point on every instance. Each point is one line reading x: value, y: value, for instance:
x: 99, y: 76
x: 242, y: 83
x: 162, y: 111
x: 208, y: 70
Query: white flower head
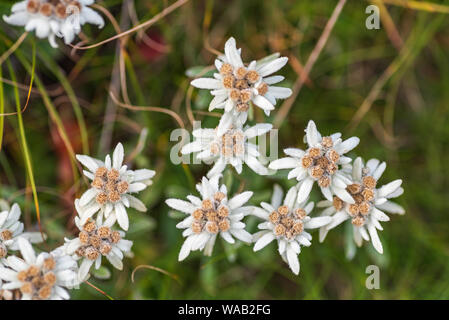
x: 42, y: 277
x: 320, y: 163
x: 287, y: 223
x: 11, y: 229
x: 111, y: 188
x: 370, y: 203
x: 5, y: 294
x: 210, y: 215
x: 54, y: 18
x: 231, y: 146
x: 96, y: 240
x: 236, y: 85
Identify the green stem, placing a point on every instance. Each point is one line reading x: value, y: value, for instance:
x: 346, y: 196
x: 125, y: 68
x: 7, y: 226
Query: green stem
x: 189, y: 175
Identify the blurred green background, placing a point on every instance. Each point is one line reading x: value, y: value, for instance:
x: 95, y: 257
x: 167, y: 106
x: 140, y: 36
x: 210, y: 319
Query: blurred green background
x: 402, y: 70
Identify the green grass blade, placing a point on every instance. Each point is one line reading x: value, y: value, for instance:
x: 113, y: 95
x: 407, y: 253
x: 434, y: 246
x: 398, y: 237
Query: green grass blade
x: 26, y: 152
x: 51, y: 110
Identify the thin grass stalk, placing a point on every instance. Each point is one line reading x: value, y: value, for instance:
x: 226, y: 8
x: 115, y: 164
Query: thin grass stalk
x: 23, y: 140
x: 59, y: 74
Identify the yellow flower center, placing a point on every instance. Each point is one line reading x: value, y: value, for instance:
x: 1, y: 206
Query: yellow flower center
x: 96, y: 241
x: 212, y: 216
x: 321, y: 162
x: 53, y: 8
x: 240, y: 81
x: 363, y: 195
x: 288, y: 224
x: 110, y: 185
x: 37, y: 281
x: 230, y: 144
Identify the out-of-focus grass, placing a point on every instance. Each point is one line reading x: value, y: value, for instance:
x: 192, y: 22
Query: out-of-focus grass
x: 407, y: 126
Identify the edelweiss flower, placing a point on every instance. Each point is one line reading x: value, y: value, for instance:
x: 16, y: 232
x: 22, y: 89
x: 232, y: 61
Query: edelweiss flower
x: 44, y: 277
x: 286, y: 223
x: 236, y: 85
x: 8, y: 294
x: 111, y: 186
x: 231, y: 146
x: 369, y: 205
x: 11, y: 229
x: 95, y: 240
x: 320, y: 162
x: 211, y: 215
x: 5, y: 294
x: 50, y: 18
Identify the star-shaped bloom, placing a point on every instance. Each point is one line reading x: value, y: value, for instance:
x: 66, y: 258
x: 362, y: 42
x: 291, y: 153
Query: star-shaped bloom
x: 320, y: 162
x: 286, y: 222
x: 111, y: 188
x: 232, y: 146
x: 54, y: 18
x: 370, y: 203
x: 95, y: 240
x: 236, y: 85
x: 210, y: 215
x: 11, y: 229
x: 43, y: 277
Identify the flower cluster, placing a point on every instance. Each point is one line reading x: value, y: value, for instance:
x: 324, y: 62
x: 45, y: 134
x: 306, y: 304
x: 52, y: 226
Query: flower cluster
x: 42, y: 277
x: 11, y: 229
x: 54, y: 18
x: 237, y: 87
x: 94, y: 241
x: 46, y: 276
x: 286, y: 221
x: 111, y: 189
x: 210, y: 215
x: 369, y: 204
x: 321, y: 162
x: 101, y: 206
x: 49, y: 275
x: 349, y: 188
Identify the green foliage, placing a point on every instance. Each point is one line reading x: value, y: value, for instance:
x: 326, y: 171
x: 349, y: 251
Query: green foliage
x: 407, y: 126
